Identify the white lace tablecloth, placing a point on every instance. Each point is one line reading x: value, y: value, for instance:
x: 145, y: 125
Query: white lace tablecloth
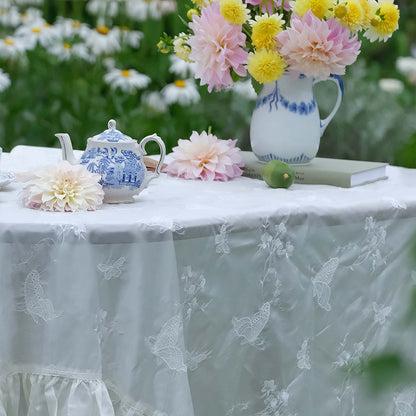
x: 204, y: 299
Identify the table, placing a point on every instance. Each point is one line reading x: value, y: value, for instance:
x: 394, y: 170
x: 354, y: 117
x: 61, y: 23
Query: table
x: 204, y: 299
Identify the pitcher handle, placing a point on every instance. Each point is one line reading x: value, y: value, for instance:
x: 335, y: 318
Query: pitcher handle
x: 153, y: 137
x: 340, y: 84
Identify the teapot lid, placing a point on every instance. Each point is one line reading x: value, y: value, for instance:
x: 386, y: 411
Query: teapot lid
x: 112, y: 135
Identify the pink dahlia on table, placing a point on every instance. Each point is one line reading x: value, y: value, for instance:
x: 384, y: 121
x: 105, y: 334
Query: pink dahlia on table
x: 206, y: 157
x: 216, y: 47
x: 317, y: 48
x: 63, y: 187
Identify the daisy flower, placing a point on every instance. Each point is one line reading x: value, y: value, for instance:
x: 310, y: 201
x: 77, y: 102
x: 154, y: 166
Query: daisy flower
x: 11, y: 47
x: 155, y: 101
x: 103, y: 7
x: 128, y: 80
x: 351, y: 14
x: 68, y: 28
x: 103, y: 40
x: 4, y: 80
x: 180, y: 67
x: 130, y: 37
x: 140, y: 10
x: 183, y: 92
x: 37, y: 32
x: 10, y: 17
x: 66, y: 51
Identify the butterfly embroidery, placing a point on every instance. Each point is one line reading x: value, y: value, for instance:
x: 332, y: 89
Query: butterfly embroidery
x: 404, y: 403
x: 165, y: 345
x: 221, y: 241
x: 250, y: 327
x: 112, y: 271
x: 381, y: 313
x: 303, y: 356
x: 321, y: 282
x: 35, y: 303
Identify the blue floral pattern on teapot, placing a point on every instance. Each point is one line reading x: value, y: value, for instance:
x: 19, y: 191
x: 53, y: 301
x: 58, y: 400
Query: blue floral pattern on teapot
x: 118, y: 159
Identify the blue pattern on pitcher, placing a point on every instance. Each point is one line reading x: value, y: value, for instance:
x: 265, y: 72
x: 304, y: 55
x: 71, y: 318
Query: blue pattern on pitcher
x: 301, y: 159
x: 275, y: 97
x: 116, y: 170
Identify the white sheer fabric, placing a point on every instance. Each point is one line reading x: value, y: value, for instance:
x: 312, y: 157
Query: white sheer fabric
x: 202, y: 299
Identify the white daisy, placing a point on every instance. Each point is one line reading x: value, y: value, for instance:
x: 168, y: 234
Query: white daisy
x: 391, y: 85
x: 181, y: 68
x: 103, y: 7
x: 140, y: 10
x: 130, y: 37
x: 68, y: 28
x: 182, y: 92
x: 66, y: 51
x: 11, y: 47
x: 127, y: 80
x: 406, y: 65
x: 165, y: 6
x: 103, y: 40
x: 4, y: 80
x: 245, y: 89
x: 154, y: 101
x: 37, y: 31
x: 28, y: 2
x: 30, y: 15
x: 10, y: 17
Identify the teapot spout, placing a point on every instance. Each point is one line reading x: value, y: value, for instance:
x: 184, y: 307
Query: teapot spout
x: 67, y: 151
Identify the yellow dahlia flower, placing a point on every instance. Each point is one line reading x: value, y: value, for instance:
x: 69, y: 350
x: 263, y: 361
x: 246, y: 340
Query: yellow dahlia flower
x: 266, y: 66
x: 234, y: 11
x: 350, y: 14
x: 384, y: 20
x: 265, y: 28
x: 320, y: 8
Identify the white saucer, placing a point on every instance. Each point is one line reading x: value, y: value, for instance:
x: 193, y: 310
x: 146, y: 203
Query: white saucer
x: 6, y: 178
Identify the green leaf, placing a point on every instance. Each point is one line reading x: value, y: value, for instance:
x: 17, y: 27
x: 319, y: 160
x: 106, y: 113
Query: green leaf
x: 257, y: 86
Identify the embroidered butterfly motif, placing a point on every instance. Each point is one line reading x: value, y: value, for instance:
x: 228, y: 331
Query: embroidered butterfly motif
x: 250, y: 327
x: 35, y: 303
x: 404, y: 403
x: 321, y: 282
x: 304, y: 362
x: 165, y: 345
x: 221, y: 241
x: 381, y: 313
x: 112, y: 271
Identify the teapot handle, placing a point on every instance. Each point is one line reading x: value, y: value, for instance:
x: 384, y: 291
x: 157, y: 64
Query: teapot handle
x: 153, y: 137
x: 340, y: 84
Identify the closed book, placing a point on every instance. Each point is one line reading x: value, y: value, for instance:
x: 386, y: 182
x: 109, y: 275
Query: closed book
x: 324, y: 171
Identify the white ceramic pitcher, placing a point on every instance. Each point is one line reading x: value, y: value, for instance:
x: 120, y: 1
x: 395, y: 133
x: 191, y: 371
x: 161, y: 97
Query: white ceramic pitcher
x: 286, y: 124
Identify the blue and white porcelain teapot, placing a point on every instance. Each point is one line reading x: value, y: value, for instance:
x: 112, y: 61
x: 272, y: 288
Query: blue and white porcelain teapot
x: 118, y: 159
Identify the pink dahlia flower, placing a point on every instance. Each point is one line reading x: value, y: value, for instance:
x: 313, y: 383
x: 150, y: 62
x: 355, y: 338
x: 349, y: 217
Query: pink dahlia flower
x: 206, y: 157
x: 216, y: 47
x: 317, y: 48
x: 277, y: 5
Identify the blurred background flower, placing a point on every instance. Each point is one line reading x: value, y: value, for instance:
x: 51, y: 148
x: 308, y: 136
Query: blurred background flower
x: 71, y: 65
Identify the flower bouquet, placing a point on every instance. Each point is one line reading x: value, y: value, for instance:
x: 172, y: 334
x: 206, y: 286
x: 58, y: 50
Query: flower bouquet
x: 233, y: 39
x: 285, y: 47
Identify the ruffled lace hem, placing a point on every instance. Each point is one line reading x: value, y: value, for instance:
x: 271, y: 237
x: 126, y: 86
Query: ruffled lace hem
x: 28, y: 394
